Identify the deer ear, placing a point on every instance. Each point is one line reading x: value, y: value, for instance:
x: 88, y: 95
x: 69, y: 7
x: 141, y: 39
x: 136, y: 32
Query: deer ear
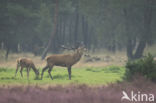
x: 79, y: 50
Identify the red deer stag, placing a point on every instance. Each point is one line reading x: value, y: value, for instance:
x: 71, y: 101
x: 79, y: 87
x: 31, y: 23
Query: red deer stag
x: 64, y: 60
x: 28, y: 64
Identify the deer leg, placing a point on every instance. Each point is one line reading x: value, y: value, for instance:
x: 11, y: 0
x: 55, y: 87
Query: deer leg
x: 46, y: 67
x: 49, y: 71
x: 16, y: 70
x: 28, y: 68
x: 21, y: 72
x: 69, y: 72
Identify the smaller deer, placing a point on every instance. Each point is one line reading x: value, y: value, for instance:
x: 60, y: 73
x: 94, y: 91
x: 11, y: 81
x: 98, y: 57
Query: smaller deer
x: 28, y: 64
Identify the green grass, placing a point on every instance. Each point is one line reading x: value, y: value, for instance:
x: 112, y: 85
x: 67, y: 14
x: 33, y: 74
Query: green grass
x: 90, y: 76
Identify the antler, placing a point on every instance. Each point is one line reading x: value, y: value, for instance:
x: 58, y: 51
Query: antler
x: 64, y: 47
x: 77, y: 45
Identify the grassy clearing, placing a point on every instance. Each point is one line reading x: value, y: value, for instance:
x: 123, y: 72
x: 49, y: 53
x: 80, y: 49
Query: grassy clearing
x: 89, y: 76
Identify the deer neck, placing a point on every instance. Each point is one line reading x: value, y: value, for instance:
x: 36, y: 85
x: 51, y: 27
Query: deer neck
x: 77, y: 56
x: 34, y: 69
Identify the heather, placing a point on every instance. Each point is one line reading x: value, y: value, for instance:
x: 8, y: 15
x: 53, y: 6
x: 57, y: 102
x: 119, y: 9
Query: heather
x: 83, y: 93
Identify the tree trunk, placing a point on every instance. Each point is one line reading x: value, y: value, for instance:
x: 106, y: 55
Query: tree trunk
x: 146, y: 30
x: 63, y: 31
x: 86, y: 38
x: 113, y: 48
x: 53, y: 33
x: 7, y: 53
x: 140, y: 49
x: 70, y: 32
x: 129, y: 47
x: 76, y: 25
x: 60, y: 30
x: 84, y: 31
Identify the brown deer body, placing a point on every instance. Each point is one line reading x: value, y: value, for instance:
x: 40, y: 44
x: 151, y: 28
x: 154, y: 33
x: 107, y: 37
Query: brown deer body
x: 66, y: 60
x: 26, y: 63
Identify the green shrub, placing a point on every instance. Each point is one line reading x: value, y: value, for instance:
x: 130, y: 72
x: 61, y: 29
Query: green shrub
x: 145, y: 66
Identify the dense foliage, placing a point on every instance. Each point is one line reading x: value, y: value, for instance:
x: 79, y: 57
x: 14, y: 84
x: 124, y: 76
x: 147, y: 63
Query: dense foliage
x: 145, y: 66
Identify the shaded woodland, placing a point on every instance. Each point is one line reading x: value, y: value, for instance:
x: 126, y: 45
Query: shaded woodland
x: 41, y: 26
